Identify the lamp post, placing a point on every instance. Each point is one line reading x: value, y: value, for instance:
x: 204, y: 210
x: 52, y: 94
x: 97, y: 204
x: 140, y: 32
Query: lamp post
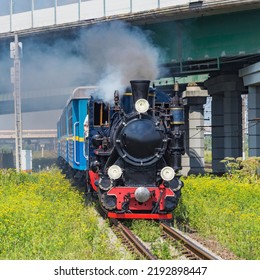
x: 42, y: 147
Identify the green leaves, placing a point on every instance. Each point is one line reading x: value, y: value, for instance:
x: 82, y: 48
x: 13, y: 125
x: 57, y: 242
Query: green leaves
x: 248, y: 169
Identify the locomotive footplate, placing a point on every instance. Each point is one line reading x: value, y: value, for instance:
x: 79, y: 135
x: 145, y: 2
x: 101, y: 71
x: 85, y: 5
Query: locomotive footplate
x: 147, y: 216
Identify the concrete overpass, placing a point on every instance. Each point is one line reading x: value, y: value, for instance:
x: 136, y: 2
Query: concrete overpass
x: 35, y: 140
x: 37, y: 100
x: 29, y: 134
x: 219, y: 38
x: 73, y: 14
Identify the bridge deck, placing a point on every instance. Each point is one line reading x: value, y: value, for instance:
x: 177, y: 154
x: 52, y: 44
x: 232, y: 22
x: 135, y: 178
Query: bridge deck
x: 92, y: 12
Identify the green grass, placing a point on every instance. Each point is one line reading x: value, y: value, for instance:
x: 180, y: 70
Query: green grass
x: 208, y: 156
x: 149, y: 231
x: 225, y: 208
x: 43, y: 217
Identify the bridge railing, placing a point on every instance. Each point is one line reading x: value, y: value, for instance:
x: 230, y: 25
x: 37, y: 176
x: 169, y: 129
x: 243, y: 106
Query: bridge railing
x: 16, y: 16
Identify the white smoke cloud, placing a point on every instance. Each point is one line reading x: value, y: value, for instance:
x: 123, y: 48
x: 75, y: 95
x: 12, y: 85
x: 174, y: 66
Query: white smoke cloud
x: 107, y: 55
x: 117, y: 53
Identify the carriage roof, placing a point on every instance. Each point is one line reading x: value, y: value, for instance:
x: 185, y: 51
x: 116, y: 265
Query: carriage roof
x: 82, y: 93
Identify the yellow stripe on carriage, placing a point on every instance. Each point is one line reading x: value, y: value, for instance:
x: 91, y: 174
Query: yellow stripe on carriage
x: 75, y: 138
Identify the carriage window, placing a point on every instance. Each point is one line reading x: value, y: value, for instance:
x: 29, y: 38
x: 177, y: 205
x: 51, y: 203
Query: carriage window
x: 63, y: 124
x: 101, y: 114
x: 70, y: 120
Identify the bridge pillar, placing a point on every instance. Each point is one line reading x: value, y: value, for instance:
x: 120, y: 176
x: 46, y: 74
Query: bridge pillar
x: 194, y: 98
x: 226, y: 118
x: 251, y: 78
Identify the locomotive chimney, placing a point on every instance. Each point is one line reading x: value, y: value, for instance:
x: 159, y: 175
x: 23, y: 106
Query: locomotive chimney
x: 140, y: 89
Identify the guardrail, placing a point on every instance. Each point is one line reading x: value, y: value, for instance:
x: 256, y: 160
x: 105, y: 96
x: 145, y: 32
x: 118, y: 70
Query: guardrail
x: 53, y: 13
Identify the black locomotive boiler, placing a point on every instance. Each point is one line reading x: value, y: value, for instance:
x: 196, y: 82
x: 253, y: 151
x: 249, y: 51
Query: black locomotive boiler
x: 136, y: 158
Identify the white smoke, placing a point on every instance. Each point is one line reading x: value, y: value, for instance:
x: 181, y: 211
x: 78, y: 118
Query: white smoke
x: 117, y: 53
x: 107, y: 55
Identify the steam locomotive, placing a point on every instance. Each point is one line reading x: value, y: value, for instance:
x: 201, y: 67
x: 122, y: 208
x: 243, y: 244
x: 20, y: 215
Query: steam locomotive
x: 128, y: 152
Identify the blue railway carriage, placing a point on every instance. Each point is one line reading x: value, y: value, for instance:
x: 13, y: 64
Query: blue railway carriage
x: 73, y: 130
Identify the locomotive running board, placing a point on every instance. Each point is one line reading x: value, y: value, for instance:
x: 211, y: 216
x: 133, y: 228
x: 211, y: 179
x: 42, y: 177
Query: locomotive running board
x: 139, y: 216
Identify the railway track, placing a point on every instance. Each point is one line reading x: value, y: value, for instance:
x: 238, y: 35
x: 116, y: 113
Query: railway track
x: 128, y: 238
x: 131, y: 242
x: 188, y: 247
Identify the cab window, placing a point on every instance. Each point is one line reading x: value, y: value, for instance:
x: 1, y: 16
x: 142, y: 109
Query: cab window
x: 101, y: 114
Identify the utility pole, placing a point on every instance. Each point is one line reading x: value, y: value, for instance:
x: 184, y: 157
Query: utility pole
x: 32, y: 13
x: 15, y: 51
x: 79, y: 9
x: 55, y: 11
x: 11, y: 15
x: 244, y: 125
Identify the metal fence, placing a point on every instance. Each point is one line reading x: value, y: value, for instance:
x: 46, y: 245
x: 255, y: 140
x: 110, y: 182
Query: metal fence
x: 16, y: 15
x: 19, y: 15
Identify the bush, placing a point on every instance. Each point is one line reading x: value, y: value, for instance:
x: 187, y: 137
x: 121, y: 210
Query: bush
x: 248, y: 169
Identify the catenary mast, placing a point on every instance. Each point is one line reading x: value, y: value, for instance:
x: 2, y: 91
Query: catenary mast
x: 15, y: 51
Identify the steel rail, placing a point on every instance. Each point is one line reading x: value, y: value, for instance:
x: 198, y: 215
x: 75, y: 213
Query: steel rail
x: 196, y: 249
x: 134, y: 241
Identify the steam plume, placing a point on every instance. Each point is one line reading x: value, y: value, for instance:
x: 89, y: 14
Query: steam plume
x: 117, y: 53
x: 108, y: 55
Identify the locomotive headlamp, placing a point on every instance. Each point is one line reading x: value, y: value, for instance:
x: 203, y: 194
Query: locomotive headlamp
x: 142, y: 194
x: 114, y: 172
x: 167, y: 173
x: 141, y: 105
